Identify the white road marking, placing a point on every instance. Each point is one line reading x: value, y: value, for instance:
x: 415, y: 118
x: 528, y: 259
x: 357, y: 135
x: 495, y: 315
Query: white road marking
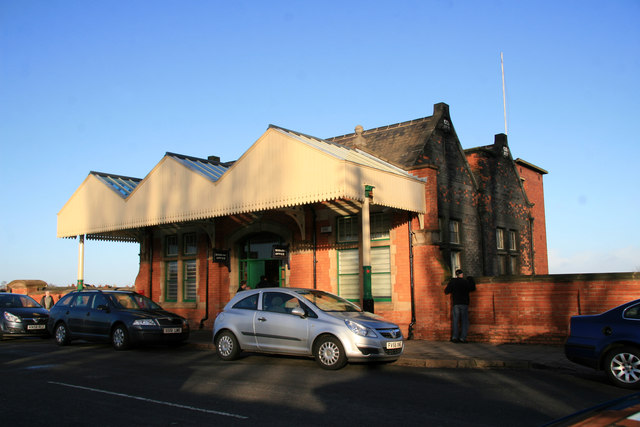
x: 144, y: 399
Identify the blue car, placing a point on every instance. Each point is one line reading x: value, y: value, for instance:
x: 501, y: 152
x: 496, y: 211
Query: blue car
x: 610, y: 342
x: 120, y: 317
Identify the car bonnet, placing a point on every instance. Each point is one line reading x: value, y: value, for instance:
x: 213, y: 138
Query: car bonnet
x: 367, y: 319
x: 28, y: 311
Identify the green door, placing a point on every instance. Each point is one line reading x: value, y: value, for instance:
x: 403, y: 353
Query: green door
x: 256, y: 253
x: 255, y: 269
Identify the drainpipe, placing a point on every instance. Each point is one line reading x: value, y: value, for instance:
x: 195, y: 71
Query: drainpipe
x: 150, y: 263
x: 315, y: 247
x: 412, y: 282
x: 206, y: 297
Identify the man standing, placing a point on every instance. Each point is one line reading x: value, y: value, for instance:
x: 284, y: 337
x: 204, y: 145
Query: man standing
x: 47, y: 300
x: 459, y: 288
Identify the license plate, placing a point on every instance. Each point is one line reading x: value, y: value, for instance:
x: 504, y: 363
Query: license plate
x: 394, y: 344
x: 32, y: 327
x: 172, y: 330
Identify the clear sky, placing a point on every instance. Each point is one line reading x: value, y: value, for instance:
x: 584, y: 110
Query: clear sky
x: 111, y: 86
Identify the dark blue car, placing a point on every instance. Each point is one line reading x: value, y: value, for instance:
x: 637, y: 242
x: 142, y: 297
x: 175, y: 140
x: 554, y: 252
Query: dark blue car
x: 609, y: 341
x: 120, y: 317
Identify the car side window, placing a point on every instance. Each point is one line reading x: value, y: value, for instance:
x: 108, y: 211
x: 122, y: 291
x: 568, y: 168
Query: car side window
x: 98, y: 300
x: 274, y: 302
x: 632, y: 312
x: 65, y: 300
x: 278, y: 302
x: 248, y: 303
x: 81, y: 301
x: 307, y: 311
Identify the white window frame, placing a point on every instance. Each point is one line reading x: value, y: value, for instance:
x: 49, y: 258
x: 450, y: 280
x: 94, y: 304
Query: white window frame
x: 349, y: 273
x: 454, y: 231
x: 500, y: 239
x: 190, y: 280
x: 347, y: 229
x: 456, y: 262
x: 171, y: 281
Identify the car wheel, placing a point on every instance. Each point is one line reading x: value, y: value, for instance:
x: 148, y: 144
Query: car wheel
x: 120, y: 338
x: 227, y: 346
x: 61, y: 334
x: 622, y: 365
x: 329, y: 353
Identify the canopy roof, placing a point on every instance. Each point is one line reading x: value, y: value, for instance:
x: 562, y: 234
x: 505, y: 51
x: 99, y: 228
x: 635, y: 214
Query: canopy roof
x: 281, y: 169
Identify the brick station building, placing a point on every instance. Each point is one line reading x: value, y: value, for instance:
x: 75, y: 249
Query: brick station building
x: 295, y: 208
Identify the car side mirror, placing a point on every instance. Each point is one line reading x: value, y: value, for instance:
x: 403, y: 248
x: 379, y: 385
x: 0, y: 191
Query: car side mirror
x: 298, y: 311
x: 103, y: 307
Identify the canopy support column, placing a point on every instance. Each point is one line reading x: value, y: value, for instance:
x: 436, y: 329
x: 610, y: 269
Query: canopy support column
x: 367, y: 294
x: 81, y: 263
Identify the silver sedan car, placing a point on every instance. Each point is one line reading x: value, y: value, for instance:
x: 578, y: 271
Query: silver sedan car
x: 304, y: 322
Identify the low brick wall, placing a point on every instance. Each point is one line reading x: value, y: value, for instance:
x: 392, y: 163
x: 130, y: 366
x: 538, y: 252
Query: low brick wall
x: 534, y: 309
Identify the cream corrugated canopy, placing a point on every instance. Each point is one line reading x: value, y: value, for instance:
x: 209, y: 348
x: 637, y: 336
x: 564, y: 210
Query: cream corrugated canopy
x: 281, y: 169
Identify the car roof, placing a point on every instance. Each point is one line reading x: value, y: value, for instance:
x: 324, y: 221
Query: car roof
x: 110, y: 291
x: 277, y: 288
x: 13, y: 294
x: 290, y: 291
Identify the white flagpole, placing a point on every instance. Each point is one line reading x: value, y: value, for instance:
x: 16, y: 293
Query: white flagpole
x: 504, y: 96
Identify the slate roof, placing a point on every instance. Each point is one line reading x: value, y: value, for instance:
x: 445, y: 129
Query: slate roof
x: 401, y: 144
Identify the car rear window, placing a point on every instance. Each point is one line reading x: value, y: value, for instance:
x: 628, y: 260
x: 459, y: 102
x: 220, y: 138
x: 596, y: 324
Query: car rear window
x: 65, y: 300
x: 632, y: 312
x: 248, y: 303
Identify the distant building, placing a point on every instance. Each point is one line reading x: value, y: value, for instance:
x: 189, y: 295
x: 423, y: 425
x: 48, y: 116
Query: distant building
x: 26, y: 286
x: 291, y: 209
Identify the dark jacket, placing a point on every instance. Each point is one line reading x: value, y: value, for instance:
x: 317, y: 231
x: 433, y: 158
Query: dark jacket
x: 264, y: 283
x: 47, y: 302
x: 459, y: 289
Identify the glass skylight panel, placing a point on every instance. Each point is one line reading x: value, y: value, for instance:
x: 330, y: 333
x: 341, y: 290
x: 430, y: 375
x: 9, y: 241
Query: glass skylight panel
x: 124, y: 186
x: 208, y: 170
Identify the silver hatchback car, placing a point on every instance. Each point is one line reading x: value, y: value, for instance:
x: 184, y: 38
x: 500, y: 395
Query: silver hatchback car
x: 304, y: 322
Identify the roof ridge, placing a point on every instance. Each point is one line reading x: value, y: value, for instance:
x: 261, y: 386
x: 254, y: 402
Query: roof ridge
x: 115, y: 175
x: 386, y: 127
x: 326, y: 141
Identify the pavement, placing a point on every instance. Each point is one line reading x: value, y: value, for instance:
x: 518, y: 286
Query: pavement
x: 471, y: 355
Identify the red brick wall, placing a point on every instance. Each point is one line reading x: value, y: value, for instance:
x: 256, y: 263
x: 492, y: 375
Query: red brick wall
x: 527, y: 309
x: 533, y: 185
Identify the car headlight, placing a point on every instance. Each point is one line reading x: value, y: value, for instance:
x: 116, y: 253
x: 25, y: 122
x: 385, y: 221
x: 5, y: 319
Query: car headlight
x: 11, y: 317
x: 359, y: 329
x: 144, y: 322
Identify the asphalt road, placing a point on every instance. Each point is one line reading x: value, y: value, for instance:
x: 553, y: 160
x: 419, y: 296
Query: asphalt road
x: 91, y: 384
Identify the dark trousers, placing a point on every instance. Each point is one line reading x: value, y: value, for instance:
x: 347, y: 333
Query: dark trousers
x: 459, y: 322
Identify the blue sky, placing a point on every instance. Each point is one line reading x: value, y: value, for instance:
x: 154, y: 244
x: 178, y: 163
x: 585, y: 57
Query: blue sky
x: 111, y: 86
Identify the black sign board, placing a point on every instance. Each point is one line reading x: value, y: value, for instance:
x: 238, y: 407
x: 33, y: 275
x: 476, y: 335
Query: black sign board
x: 221, y: 257
x: 280, y: 252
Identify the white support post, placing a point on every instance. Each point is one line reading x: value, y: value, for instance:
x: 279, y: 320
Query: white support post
x: 81, y: 263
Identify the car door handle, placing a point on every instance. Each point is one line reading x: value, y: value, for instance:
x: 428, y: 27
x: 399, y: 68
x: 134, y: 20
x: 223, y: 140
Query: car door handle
x: 262, y: 319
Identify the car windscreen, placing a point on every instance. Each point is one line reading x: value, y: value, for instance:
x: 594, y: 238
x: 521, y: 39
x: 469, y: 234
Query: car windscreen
x: 328, y: 302
x: 132, y: 302
x: 18, y: 301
